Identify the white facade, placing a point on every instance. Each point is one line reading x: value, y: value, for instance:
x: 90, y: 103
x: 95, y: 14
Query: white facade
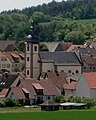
x: 93, y: 93
x: 69, y: 68
x: 82, y: 88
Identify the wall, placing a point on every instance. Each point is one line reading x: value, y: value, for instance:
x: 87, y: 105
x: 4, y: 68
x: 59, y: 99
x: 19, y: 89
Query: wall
x: 93, y: 93
x: 11, y: 95
x: 47, y: 66
x: 82, y: 88
x: 5, y: 64
x: 69, y: 93
x: 66, y: 68
x: 89, y: 68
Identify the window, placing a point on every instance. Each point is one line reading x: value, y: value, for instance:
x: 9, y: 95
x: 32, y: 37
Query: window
x: 84, y: 67
x: 27, y: 72
x: 48, y: 97
x: 35, y: 48
x: 93, y: 68
x: 77, y: 71
x: 90, y: 68
x: 69, y: 71
x: 3, y: 59
x: 8, y: 65
x: 3, y: 65
x: 27, y: 58
x: 27, y: 47
x: 71, y: 90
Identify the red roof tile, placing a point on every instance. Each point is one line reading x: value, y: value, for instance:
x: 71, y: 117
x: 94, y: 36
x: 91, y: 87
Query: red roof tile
x: 58, y: 78
x: 72, y: 47
x: 70, y: 86
x: 3, y: 92
x: 89, y: 60
x: 91, y: 79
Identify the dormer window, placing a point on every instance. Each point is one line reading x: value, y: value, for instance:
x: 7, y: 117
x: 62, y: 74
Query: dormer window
x: 26, y: 92
x: 38, y: 88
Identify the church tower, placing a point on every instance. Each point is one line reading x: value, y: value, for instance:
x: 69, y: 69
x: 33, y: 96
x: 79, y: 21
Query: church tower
x: 31, y: 54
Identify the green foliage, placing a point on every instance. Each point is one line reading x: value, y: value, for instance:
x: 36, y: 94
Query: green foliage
x: 9, y: 102
x: 20, y: 46
x: 76, y: 37
x: 88, y: 101
x: 66, y: 20
x: 39, y: 17
x: 59, y: 99
x: 74, y: 99
x: 2, y: 104
x: 43, y: 47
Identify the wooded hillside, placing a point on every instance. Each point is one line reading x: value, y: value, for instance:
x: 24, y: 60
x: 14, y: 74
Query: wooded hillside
x: 72, y: 20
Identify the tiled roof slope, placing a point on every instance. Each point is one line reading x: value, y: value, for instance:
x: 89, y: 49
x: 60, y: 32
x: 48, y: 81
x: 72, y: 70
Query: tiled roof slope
x: 91, y: 79
x: 60, y: 57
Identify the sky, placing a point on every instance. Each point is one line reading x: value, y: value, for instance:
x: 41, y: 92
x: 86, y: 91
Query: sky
x: 20, y: 4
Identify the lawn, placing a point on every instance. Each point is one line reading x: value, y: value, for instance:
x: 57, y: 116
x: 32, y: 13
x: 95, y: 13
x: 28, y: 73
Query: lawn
x: 58, y: 115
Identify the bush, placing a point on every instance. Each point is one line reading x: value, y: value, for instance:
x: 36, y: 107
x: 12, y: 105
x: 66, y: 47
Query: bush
x: 2, y: 104
x: 90, y: 102
x: 74, y: 99
x: 10, y: 102
x: 59, y: 99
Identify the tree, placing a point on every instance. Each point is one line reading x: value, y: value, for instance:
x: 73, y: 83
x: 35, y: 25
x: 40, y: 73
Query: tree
x: 77, y: 37
x: 39, y: 17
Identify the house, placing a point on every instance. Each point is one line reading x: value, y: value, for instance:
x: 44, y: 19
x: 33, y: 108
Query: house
x: 74, y: 47
x: 9, y: 80
x: 3, y: 93
x: 11, y: 61
x: 85, y: 51
x: 57, y: 78
x: 89, y: 63
x: 63, y: 46
x: 50, y: 45
x: 70, y: 89
x: 7, y: 45
x: 30, y: 92
x: 86, y: 86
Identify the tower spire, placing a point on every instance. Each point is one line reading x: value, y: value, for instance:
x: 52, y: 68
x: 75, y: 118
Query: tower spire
x: 31, y: 53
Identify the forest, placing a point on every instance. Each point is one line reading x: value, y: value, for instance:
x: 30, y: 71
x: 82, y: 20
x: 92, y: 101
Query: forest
x: 71, y: 20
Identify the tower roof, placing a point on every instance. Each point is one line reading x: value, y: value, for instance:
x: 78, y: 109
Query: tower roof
x: 30, y: 39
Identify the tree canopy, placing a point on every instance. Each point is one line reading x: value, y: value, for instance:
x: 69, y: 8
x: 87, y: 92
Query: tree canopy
x: 71, y: 20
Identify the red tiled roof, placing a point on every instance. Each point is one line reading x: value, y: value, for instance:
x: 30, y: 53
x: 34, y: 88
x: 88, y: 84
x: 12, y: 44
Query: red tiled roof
x: 3, y: 92
x: 58, y: 78
x: 72, y: 47
x: 70, y: 86
x: 91, y: 79
x: 89, y: 60
x: 65, y: 46
x: 1, y: 54
x: 15, y: 55
x: 18, y: 92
